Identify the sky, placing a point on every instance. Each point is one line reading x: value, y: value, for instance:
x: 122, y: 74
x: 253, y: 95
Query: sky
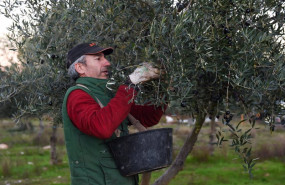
x: 5, y: 22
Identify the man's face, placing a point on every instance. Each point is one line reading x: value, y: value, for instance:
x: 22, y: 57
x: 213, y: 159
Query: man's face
x: 96, y: 67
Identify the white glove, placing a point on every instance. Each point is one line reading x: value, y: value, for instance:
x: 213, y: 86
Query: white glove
x: 144, y: 73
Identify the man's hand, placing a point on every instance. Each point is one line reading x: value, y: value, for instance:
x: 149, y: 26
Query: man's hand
x: 144, y: 73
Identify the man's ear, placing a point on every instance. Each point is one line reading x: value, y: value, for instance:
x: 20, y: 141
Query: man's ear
x: 79, y: 67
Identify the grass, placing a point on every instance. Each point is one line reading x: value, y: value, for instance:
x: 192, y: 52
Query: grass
x: 26, y: 162
x: 224, y: 171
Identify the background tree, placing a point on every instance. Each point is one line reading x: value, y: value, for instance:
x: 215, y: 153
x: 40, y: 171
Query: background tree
x: 6, y: 56
x: 221, y: 57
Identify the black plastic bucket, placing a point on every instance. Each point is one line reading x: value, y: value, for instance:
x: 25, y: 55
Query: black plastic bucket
x: 143, y: 151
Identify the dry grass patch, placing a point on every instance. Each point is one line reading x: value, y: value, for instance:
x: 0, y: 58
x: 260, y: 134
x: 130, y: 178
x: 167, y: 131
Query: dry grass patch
x: 271, y: 147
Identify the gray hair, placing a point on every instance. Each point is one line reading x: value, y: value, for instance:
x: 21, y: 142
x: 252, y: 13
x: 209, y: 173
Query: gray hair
x: 72, y: 73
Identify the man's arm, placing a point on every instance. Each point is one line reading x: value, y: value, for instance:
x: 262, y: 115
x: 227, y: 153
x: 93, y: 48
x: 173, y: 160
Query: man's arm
x: 86, y: 114
x: 148, y: 115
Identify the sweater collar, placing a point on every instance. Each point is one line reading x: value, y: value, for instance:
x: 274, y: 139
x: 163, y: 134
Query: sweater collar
x: 94, y: 84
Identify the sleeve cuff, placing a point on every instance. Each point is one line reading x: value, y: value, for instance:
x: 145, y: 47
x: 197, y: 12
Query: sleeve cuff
x: 129, y: 83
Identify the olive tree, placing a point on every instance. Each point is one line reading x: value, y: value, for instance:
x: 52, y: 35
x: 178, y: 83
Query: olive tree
x: 219, y: 57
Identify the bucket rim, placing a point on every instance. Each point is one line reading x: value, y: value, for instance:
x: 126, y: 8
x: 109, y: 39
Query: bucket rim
x: 140, y: 133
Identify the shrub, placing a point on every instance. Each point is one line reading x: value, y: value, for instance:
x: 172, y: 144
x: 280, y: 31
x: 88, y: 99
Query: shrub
x: 201, y: 153
x: 272, y: 148
x: 6, y: 168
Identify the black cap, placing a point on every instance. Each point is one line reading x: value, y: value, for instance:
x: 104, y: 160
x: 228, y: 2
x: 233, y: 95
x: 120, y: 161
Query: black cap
x: 85, y: 49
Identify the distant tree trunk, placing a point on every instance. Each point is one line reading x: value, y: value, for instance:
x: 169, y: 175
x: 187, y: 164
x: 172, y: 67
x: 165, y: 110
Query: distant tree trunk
x: 38, y: 137
x: 41, y: 129
x: 53, y: 140
x: 178, y: 163
x: 212, y: 135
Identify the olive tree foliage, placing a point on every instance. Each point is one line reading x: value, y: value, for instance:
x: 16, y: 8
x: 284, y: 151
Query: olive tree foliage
x: 219, y: 57
x: 230, y: 53
x: 223, y: 57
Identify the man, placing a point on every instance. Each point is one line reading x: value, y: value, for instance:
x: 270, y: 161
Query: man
x: 93, y: 115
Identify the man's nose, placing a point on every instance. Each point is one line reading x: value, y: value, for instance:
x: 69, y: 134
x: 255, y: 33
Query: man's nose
x: 106, y: 62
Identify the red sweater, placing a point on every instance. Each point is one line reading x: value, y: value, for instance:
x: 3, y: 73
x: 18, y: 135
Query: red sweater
x: 87, y: 115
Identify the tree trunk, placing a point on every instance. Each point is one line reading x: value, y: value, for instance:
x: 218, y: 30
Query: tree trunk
x: 53, y: 140
x: 146, y: 178
x: 212, y: 135
x: 147, y: 175
x: 178, y: 163
x: 41, y: 129
x: 38, y: 137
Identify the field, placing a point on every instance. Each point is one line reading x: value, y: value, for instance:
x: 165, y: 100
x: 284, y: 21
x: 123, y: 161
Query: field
x: 27, y: 160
